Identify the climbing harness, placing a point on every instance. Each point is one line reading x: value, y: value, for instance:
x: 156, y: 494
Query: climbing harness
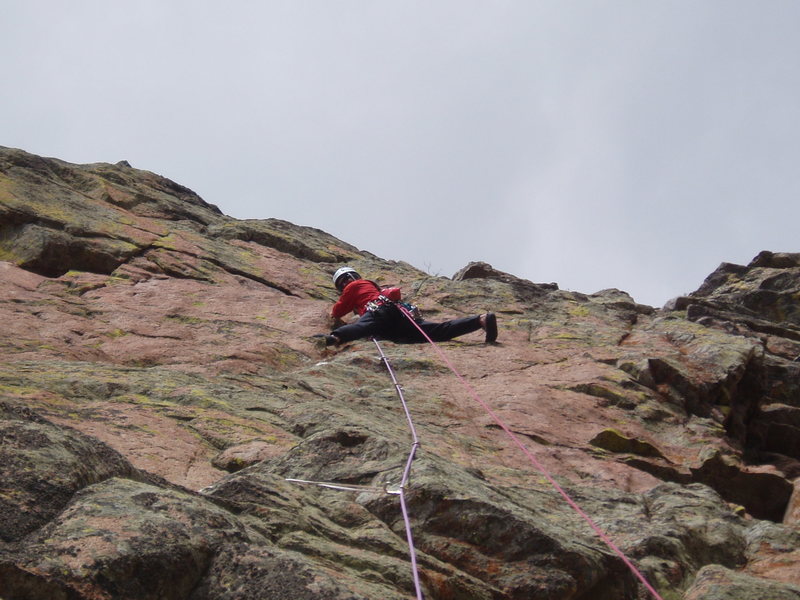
x: 398, y: 490
x: 379, y: 302
x: 382, y: 301
x: 574, y: 505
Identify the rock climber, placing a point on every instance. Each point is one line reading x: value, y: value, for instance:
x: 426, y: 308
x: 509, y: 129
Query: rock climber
x: 380, y: 316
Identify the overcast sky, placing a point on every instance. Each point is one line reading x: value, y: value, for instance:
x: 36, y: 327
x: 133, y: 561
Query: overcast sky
x: 634, y: 144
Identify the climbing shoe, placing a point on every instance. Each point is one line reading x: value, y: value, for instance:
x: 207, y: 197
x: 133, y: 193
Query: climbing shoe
x: 491, y: 328
x: 330, y: 340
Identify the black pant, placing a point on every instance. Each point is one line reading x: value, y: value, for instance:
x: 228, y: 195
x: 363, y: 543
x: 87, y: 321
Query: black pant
x: 388, y: 323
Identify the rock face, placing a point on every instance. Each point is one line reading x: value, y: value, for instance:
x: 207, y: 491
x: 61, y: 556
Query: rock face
x: 159, y: 389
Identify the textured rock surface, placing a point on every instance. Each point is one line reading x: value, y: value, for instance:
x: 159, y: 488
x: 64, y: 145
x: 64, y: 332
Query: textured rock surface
x: 159, y: 384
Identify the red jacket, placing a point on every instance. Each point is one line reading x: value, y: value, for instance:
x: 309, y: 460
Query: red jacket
x: 357, y: 294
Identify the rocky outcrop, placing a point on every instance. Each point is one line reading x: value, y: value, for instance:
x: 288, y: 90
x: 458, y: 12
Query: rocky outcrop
x: 161, y: 396
x: 42, y: 466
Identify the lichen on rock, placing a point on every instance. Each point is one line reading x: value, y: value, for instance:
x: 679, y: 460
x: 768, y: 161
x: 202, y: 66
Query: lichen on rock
x: 161, y: 394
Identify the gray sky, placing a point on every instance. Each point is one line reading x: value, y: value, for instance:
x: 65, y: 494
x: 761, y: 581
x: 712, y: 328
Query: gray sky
x: 631, y: 144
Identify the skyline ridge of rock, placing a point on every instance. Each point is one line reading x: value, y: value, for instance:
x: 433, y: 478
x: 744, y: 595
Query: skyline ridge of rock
x: 159, y: 383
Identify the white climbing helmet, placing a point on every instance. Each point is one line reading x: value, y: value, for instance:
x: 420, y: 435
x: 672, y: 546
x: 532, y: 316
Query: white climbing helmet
x: 344, y: 271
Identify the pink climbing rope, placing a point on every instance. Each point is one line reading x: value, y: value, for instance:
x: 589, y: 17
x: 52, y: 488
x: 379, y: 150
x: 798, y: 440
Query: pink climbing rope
x: 404, y: 479
x: 595, y: 527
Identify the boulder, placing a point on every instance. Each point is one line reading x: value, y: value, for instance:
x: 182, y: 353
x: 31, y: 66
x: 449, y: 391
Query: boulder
x: 42, y: 466
x: 123, y: 539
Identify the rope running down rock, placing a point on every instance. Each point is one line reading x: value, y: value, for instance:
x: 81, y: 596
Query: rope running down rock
x: 404, y: 479
x: 567, y: 498
x: 399, y: 490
